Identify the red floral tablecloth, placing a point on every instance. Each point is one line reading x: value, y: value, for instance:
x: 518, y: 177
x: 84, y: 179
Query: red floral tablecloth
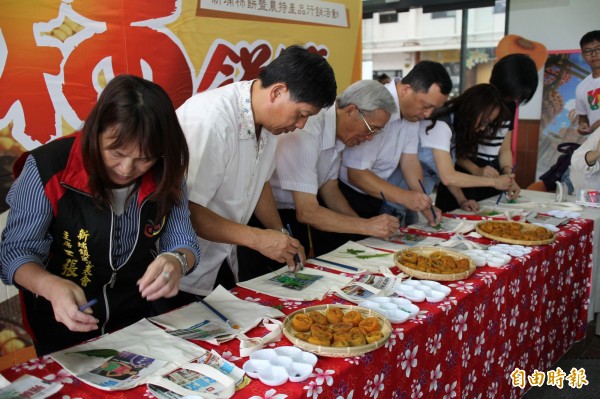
x: 524, y: 315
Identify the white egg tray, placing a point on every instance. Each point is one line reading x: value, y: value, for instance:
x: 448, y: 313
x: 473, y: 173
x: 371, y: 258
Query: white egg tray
x: 564, y: 214
x: 276, y: 366
x: 512, y: 250
x: 397, y: 310
x: 486, y: 257
x: 550, y: 227
x: 421, y: 290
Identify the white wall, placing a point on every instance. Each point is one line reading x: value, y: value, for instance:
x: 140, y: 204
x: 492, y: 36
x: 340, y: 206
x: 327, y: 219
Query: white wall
x: 558, y: 24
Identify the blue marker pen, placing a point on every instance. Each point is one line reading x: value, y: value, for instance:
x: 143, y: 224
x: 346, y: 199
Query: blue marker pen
x: 502, y: 192
x: 87, y: 305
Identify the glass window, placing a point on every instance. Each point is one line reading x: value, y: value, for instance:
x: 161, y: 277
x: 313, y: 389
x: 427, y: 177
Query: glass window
x: 387, y: 18
x: 443, y: 14
x: 394, y: 46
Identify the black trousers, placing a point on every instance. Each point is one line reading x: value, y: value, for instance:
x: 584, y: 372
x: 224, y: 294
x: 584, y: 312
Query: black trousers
x: 446, y: 201
x: 364, y: 205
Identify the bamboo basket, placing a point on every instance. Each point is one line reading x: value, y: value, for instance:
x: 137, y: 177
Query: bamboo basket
x: 524, y: 227
x: 426, y: 251
x: 329, y: 351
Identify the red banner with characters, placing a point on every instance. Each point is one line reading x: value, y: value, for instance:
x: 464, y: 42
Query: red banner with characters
x: 56, y: 56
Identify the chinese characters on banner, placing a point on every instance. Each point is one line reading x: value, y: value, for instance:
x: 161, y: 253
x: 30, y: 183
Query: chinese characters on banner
x: 56, y: 56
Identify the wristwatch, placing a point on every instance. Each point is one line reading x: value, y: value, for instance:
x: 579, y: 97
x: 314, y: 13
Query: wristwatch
x: 284, y: 231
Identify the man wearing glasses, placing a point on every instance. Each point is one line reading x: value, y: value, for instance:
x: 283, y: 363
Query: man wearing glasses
x: 307, y: 163
x: 366, y: 168
x: 587, y: 94
x: 585, y: 165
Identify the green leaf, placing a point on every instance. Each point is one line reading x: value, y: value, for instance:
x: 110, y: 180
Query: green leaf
x: 98, y: 353
x: 371, y: 256
x: 490, y: 213
x: 354, y: 251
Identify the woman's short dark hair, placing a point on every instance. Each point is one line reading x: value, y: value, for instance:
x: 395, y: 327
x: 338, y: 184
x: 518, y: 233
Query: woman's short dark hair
x: 141, y: 113
x: 308, y: 76
x: 476, y: 101
x: 515, y: 75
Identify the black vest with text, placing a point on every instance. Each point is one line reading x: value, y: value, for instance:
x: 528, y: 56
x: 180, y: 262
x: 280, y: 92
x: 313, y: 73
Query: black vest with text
x: 81, y: 248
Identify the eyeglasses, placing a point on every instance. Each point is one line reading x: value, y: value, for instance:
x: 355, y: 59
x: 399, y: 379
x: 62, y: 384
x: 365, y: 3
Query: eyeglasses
x: 373, y: 132
x: 591, y: 51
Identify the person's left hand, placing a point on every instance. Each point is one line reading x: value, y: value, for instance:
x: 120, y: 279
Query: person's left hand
x: 161, y: 279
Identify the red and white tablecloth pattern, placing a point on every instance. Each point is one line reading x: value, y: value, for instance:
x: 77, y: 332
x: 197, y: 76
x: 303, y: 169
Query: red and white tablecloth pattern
x: 524, y: 315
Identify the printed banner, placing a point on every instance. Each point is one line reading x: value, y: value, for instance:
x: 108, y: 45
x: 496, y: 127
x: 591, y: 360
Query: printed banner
x: 563, y: 71
x: 56, y: 56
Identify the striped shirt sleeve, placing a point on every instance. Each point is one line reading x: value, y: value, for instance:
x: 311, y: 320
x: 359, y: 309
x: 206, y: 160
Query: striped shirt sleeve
x: 25, y: 237
x: 179, y: 232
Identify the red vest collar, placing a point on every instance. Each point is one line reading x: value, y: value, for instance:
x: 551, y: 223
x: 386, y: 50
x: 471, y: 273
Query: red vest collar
x: 77, y: 177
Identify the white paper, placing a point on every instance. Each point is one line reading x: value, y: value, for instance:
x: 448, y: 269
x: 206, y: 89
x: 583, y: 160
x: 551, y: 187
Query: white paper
x: 367, y: 286
x: 401, y: 242
x: 451, y: 225
x: 3, y: 381
x: 122, y: 371
x: 197, y: 382
x: 316, y: 291
x: 25, y: 387
x: 141, y: 338
x: 243, y: 314
x: 360, y: 256
x: 378, y: 243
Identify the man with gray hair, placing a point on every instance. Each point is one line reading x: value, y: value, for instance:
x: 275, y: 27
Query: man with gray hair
x: 366, y: 170
x: 307, y: 162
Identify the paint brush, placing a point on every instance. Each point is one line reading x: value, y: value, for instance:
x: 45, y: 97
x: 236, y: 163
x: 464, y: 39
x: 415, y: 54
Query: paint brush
x: 219, y: 314
x: 297, y: 260
x: 338, y: 264
x: 503, y: 192
x: 431, y: 208
x: 386, y: 207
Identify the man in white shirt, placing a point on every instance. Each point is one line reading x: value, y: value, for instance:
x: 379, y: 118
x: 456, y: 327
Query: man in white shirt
x: 366, y: 168
x: 231, y: 133
x: 587, y: 105
x: 587, y: 94
x: 307, y: 163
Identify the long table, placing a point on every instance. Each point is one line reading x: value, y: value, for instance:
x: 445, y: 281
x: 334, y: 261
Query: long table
x: 524, y: 315
x: 593, y: 214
